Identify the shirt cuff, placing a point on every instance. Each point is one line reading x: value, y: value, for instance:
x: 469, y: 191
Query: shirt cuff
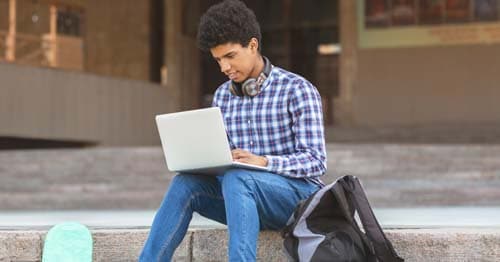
x: 274, y: 163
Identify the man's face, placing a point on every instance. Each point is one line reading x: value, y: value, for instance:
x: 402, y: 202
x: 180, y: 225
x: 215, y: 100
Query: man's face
x: 236, y: 61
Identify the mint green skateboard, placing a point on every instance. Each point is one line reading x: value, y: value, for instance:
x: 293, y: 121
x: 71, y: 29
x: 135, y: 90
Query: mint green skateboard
x: 68, y: 242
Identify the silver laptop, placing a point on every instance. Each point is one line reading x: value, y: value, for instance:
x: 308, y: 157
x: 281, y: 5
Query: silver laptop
x: 196, y: 142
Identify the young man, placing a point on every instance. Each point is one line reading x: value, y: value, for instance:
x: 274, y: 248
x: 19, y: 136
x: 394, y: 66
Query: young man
x: 273, y: 119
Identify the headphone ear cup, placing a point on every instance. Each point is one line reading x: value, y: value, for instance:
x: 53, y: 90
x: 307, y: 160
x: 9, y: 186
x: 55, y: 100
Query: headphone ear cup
x: 249, y: 87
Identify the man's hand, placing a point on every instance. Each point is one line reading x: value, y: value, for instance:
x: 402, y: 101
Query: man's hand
x: 246, y: 157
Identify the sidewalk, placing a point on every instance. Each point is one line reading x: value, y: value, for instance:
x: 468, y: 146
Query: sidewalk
x: 418, y: 234
x: 431, y: 217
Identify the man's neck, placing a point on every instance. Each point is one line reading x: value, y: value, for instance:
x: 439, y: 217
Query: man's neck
x: 258, y: 68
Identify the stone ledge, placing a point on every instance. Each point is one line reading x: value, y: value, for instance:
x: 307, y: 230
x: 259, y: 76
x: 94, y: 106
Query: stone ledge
x: 433, y: 244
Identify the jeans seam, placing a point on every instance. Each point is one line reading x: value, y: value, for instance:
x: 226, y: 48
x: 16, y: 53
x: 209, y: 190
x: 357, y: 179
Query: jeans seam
x: 164, y: 246
x: 252, y: 195
x: 245, y: 227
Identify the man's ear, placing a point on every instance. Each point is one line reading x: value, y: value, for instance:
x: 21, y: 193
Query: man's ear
x: 254, y: 44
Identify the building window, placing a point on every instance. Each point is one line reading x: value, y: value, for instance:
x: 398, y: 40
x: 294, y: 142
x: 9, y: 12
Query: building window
x: 68, y: 22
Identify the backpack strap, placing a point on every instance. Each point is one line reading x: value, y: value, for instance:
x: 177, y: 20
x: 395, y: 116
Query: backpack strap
x: 348, y: 210
x: 355, y: 194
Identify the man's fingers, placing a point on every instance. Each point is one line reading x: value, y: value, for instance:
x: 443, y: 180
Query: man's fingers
x: 239, y: 157
x: 238, y: 153
x: 245, y: 160
x: 244, y: 156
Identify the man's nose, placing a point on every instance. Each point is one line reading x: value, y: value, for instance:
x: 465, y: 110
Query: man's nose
x: 224, y: 66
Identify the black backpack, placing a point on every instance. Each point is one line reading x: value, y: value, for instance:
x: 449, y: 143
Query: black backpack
x: 323, y: 227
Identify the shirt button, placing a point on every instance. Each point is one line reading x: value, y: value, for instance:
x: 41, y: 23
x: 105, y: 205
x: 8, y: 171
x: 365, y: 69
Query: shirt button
x: 249, y: 121
x: 251, y: 142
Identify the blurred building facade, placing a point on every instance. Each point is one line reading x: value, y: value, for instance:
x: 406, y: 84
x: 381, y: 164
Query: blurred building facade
x: 109, y: 38
x: 377, y: 63
x: 102, y: 90
x: 420, y: 63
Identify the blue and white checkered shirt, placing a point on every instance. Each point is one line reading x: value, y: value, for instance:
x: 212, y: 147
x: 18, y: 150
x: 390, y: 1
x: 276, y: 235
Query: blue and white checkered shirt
x: 284, y: 123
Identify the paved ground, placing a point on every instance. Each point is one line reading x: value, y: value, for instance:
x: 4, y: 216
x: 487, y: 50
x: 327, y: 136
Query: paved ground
x: 437, y: 217
x: 394, y: 175
x: 438, y: 202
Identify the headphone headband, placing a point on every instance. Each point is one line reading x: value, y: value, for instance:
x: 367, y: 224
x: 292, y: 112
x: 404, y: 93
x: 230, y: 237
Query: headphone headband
x: 267, y: 66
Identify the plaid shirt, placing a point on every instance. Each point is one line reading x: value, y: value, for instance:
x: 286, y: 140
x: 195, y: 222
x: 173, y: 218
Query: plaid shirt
x: 284, y: 123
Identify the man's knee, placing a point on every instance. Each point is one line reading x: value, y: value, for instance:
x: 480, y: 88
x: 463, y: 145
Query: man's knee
x: 186, y: 183
x: 237, y: 180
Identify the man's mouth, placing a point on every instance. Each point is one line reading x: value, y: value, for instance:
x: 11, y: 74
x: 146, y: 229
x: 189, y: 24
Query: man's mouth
x: 232, y: 76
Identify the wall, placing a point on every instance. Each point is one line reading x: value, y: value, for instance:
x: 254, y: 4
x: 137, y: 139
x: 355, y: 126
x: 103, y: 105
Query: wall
x: 25, y: 10
x: 4, y: 15
x: 426, y: 86
x: 117, y: 38
x: 52, y: 104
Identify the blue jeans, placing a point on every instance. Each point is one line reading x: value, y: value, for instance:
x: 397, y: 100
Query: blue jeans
x: 246, y: 201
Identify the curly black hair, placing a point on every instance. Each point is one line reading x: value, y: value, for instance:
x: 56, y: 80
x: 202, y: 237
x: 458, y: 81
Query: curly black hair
x: 230, y: 21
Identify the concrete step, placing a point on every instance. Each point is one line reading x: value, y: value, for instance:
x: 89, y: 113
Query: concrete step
x: 394, y: 175
x: 208, y: 244
x: 418, y: 234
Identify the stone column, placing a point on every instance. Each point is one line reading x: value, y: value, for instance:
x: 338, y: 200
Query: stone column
x: 182, y: 56
x: 343, y: 111
x: 173, y: 57
x: 53, y: 36
x: 10, y: 51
